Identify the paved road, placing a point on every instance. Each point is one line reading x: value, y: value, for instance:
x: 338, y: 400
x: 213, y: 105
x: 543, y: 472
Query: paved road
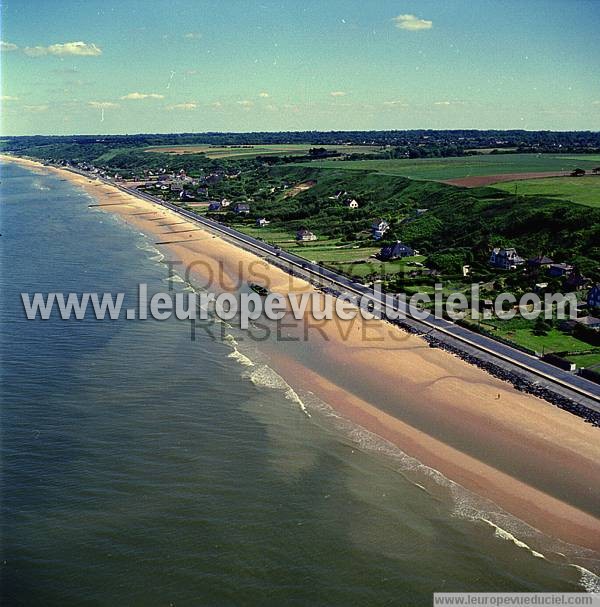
x: 492, y: 347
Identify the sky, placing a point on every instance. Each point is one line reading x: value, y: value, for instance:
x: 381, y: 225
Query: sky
x: 144, y: 66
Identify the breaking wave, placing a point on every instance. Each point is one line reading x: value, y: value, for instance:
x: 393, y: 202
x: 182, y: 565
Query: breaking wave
x: 465, y: 504
x: 264, y: 376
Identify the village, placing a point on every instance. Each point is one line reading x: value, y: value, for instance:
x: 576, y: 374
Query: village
x: 378, y: 252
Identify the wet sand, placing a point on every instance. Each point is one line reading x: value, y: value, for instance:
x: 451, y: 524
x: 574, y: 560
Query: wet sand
x: 533, y: 460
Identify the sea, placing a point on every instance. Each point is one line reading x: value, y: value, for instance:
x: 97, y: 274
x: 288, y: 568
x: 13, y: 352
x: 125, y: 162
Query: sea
x: 140, y: 466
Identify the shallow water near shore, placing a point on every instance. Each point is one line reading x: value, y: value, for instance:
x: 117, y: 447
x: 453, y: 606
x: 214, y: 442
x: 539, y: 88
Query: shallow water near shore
x: 140, y: 467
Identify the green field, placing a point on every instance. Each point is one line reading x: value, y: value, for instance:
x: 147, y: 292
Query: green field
x: 352, y: 259
x: 589, y: 361
x: 466, y: 166
x: 582, y: 190
x: 251, y: 151
x: 521, y: 332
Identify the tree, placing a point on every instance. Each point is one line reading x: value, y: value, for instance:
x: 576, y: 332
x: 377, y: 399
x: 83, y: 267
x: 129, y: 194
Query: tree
x: 541, y: 326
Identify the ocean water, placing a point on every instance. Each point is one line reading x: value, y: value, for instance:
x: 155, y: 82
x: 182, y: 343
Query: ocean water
x: 140, y: 467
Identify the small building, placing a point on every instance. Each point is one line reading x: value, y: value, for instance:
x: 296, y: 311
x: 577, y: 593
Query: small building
x: 559, y: 269
x: 241, y: 208
x: 593, y: 297
x: 575, y: 281
x: 378, y: 228
x: 304, y: 235
x: 505, y: 258
x: 261, y: 222
x: 395, y: 251
x: 225, y: 202
x: 186, y: 195
x: 214, y: 206
x: 350, y: 203
x: 589, y: 321
x: 420, y: 212
x: 541, y: 261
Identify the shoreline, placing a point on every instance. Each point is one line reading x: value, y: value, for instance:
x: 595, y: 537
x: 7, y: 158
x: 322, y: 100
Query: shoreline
x: 434, y: 400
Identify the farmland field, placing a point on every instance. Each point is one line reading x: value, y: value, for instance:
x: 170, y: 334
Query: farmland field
x: 582, y: 190
x: 442, y: 169
x: 251, y: 151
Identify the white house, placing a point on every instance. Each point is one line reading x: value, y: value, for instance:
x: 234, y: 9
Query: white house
x: 351, y: 203
x: 304, y: 235
x: 378, y: 228
x: 261, y: 222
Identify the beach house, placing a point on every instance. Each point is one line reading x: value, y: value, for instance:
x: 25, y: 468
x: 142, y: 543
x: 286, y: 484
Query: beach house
x: 395, y: 251
x: 378, y: 228
x: 304, y: 235
x: 241, y: 208
x: 506, y: 259
x: 593, y: 297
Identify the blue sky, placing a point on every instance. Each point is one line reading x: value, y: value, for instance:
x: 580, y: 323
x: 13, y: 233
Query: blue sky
x: 166, y: 66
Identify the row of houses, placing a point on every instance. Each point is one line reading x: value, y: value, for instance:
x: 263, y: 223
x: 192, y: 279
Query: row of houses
x: 509, y: 259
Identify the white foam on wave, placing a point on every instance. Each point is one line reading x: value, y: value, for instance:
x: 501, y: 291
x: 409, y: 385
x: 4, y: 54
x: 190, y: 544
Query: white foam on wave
x: 235, y: 353
x: 506, y: 535
x: 465, y: 504
x: 588, y: 580
x: 266, y: 377
x: 241, y: 358
x: 174, y: 278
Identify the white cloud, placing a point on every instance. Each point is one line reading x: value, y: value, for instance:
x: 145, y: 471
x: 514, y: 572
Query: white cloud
x: 245, y: 103
x: 412, y: 23
x: 35, y: 51
x: 338, y: 93
x: 216, y: 105
x: 136, y: 96
x: 186, y: 107
x: 102, y: 105
x: 395, y: 104
x: 7, y: 46
x: 8, y: 98
x: 192, y: 35
x: 264, y: 95
x: 80, y: 49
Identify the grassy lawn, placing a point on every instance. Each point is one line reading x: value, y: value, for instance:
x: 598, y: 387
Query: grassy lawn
x: 327, y: 250
x: 582, y: 190
x: 380, y: 268
x: 350, y: 258
x: 520, y: 331
x: 468, y: 166
x: 589, y: 361
x: 258, y: 150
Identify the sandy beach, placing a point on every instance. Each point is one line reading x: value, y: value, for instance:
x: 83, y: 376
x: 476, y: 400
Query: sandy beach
x: 533, y: 460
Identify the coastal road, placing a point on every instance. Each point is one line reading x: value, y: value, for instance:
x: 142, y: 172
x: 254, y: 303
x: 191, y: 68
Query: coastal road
x: 574, y: 383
